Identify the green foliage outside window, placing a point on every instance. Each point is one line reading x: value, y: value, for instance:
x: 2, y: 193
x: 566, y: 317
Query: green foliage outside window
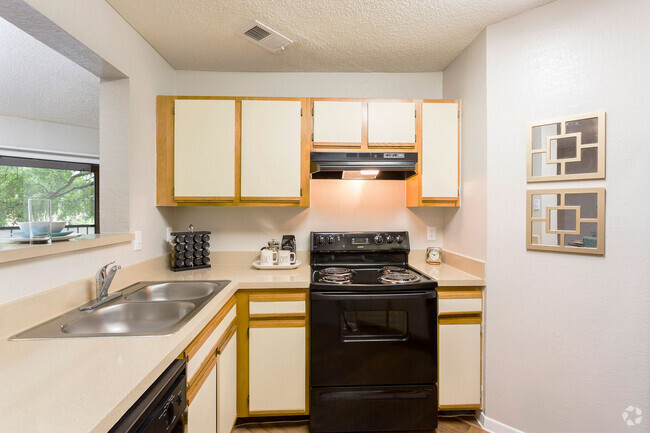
x: 72, y: 193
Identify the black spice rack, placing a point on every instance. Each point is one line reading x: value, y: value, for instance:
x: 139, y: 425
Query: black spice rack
x: 191, y: 250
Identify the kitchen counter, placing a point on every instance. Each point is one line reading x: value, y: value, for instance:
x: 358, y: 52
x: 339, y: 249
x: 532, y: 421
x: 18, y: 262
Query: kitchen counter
x: 86, y: 384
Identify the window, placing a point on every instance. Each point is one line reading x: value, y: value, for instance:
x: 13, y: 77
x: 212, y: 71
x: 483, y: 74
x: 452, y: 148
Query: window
x: 73, y: 188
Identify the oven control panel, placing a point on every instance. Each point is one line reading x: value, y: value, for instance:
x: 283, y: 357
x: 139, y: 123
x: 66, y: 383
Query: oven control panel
x: 360, y: 241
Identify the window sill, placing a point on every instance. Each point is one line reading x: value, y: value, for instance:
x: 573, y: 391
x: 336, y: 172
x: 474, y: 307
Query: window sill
x: 11, y: 252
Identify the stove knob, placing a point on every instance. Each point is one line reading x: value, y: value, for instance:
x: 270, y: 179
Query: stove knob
x: 320, y: 240
x: 330, y: 240
x: 399, y: 239
x: 389, y: 239
x: 379, y: 240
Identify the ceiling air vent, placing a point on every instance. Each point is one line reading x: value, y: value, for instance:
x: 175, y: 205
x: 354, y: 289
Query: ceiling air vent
x: 265, y: 37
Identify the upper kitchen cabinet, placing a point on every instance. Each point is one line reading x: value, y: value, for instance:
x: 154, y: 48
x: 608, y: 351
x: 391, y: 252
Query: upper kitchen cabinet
x: 338, y: 123
x: 392, y: 124
x: 204, y: 150
x: 364, y: 125
x: 231, y: 151
x: 272, y: 151
x: 438, y: 179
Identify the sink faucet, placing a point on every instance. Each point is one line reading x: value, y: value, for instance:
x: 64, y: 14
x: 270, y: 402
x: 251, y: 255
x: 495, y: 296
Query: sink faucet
x: 103, y: 280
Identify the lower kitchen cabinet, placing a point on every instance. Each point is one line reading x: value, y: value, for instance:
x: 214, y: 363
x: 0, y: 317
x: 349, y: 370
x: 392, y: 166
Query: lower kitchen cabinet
x: 202, y: 411
x: 212, y: 374
x: 273, y: 354
x: 227, y: 386
x: 459, y: 349
x: 277, y: 369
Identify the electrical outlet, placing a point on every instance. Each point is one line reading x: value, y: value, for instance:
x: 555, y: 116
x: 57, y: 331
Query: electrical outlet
x: 169, y: 234
x: 431, y: 233
x: 137, y: 242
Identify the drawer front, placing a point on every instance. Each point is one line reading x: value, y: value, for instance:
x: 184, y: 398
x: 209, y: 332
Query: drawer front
x: 473, y: 305
x: 281, y: 303
x: 195, y: 361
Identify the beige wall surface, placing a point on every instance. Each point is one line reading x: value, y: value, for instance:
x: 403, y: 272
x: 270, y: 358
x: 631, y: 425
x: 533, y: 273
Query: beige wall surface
x: 465, y: 79
x: 100, y: 28
x: 568, y: 336
x: 335, y: 205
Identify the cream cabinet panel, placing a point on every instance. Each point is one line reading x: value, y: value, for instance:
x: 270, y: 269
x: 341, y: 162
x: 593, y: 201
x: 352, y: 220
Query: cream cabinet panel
x: 270, y: 149
x: 276, y: 307
x: 204, y: 148
x: 440, y: 162
x: 338, y: 121
x: 202, y: 412
x: 460, y: 305
x: 277, y: 369
x: 227, y: 383
x: 391, y: 122
x: 208, y: 345
x: 459, y: 375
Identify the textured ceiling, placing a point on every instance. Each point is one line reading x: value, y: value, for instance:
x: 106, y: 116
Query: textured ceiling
x: 330, y: 35
x: 37, y: 82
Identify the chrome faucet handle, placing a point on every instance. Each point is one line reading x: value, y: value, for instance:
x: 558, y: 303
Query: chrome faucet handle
x: 101, y: 273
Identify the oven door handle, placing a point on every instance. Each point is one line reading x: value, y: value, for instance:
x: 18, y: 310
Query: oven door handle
x: 347, y: 296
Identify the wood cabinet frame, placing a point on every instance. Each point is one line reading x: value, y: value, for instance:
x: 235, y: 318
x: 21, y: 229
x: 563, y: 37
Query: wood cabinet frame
x: 165, y: 157
x: 414, y: 185
x: 280, y: 320
x: 461, y: 318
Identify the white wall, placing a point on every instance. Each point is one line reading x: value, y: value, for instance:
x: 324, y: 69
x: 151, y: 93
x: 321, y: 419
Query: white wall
x: 465, y: 79
x: 21, y: 134
x: 100, y: 28
x: 335, y: 205
x: 310, y: 84
x: 568, y: 336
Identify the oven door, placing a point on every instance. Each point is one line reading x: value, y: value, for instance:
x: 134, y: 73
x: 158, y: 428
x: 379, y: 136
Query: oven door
x: 373, y: 338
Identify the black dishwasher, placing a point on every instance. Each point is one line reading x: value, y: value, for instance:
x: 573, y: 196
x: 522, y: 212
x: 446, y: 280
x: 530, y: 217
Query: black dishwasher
x: 161, y: 407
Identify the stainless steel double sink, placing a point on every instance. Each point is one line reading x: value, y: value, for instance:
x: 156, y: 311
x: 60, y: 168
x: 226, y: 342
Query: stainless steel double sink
x: 144, y: 309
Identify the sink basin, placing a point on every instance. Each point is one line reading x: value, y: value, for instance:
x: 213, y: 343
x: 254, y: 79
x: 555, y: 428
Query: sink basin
x: 130, y: 318
x: 147, y: 308
x: 176, y: 291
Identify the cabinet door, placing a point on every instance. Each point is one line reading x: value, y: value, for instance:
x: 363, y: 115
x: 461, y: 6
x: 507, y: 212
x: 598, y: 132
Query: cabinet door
x: 459, y: 376
x: 227, y: 383
x: 202, y: 411
x: 338, y: 123
x: 204, y: 149
x: 391, y: 124
x: 277, y: 370
x: 440, y: 150
x: 270, y: 150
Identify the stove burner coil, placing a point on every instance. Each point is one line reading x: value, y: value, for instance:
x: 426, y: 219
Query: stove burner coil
x: 399, y: 278
x: 394, y: 270
x: 337, y: 279
x: 341, y: 272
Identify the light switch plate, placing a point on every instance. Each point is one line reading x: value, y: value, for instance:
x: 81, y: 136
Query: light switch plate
x: 137, y: 242
x: 169, y: 234
x: 431, y: 233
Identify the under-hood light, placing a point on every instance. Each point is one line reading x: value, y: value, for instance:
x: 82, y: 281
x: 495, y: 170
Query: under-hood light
x: 369, y: 172
x: 360, y: 174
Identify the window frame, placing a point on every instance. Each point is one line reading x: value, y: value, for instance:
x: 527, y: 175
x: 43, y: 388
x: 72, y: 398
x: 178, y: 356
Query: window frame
x: 17, y: 161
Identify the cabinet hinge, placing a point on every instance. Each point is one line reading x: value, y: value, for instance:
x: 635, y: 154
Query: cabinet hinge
x: 415, y: 113
x: 248, y: 399
x: 300, y: 192
x: 301, y: 112
x: 312, y: 136
x: 173, y: 110
x: 458, y: 112
x: 312, y: 111
x: 416, y: 137
x: 481, y: 393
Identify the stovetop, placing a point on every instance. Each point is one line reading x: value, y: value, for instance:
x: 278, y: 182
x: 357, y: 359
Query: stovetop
x: 371, y: 277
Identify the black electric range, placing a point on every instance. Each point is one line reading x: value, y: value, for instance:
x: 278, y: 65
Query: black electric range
x: 373, y: 333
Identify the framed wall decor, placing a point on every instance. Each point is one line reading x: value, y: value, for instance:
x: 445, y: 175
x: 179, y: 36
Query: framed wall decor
x: 567, y: 148
x: 566, y: 220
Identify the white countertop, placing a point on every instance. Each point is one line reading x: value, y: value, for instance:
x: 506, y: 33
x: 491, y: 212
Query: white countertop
x: 86, y: 384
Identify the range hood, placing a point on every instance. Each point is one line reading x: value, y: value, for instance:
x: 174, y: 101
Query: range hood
x: 363, y: 165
